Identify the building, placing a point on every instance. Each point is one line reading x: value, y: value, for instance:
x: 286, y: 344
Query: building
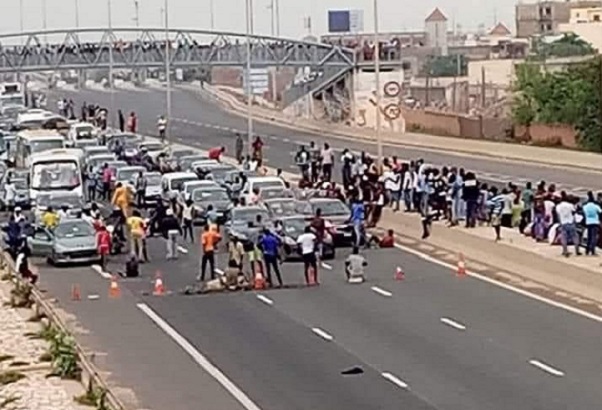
x: 585, y: 15
x: 435, y: 28
x: 585, y: 22
x: 544, y: 17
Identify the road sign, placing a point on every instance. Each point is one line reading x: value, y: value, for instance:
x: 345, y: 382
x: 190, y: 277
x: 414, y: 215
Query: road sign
x: 260, y: 79
x: 345, y: 21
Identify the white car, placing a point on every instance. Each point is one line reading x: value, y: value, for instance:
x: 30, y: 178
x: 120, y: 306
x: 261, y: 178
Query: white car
x: 82, y: 131
x: 260, y: 183
x: 173, y: 183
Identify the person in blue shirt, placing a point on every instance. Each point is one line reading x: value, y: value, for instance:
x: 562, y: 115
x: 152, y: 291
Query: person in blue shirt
x: 358, y: 214
x: 592, y: 211
x: 270, y: 244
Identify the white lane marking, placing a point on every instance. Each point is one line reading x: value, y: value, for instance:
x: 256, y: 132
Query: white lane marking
x: 265, y: 300
x: 381, y: 291
x: 503, y: 285
x: 453, y: 323
x: 322, y: 334
x: 102, y: 273
x: 286, y: 140
x: 546, y: 368
x: 219, y: 271
x: 199, y: 358
x: 182, y: 249
x: 395, y: 380
x: 326, y: 266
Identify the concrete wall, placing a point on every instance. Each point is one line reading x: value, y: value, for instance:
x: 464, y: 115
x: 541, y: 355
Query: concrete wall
x: 232, y: 77
x: 498, y: 72
x: 547, y: 134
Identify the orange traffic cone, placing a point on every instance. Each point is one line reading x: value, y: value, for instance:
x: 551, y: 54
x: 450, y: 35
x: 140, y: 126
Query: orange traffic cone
x: 399, y: 275
x: 461, y: 271
x: 159, y: 288
x: 114, y: 291
x: 75, y: 293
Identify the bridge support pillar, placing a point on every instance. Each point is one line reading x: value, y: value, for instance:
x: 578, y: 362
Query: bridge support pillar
x: 81, y: 79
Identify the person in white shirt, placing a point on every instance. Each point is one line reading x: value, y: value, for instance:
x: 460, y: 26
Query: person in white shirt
x: 10, y: 193
x: 565, y: 211
x: 327, y: 156
x: 307, y: 242
x: 408, y: 188
x: 19, y: 217
x: 392, y: 181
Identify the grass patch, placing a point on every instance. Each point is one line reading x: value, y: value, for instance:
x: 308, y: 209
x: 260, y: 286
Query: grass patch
x: 9, y: 377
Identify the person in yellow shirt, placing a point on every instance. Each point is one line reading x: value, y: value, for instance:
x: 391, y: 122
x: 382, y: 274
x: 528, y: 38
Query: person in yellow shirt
x: 50, y: 219
x: 120, y: 198
x: 136, y: 227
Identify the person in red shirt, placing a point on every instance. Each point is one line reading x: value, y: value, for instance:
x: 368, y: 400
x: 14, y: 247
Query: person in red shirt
x: 133, y: 123
x: 257, y: 150
x: 216, y: 153
x: 103, y: 245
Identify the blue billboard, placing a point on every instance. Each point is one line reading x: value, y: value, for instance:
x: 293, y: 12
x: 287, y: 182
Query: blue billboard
x: 339, y: 21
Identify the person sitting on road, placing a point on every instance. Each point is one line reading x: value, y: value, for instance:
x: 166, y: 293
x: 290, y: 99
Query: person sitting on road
x: 50, y: 219
x: 354, y: 267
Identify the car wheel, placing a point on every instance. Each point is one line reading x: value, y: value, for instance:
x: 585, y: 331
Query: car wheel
x: 51, y: 260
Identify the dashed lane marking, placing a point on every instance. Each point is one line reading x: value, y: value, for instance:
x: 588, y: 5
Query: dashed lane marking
x: 324, y: 335
x: 453, y: 323
x: 381, y: 291
x: 546, y: 368
x: 395, y: 380
x: 199, y: 358
x: 98, y: 269
x: 326, y: 266
x: 182, y: 249
x: 265, y: 300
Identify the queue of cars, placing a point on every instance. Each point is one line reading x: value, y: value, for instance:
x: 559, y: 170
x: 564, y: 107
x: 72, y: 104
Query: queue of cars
x: 48, y: 169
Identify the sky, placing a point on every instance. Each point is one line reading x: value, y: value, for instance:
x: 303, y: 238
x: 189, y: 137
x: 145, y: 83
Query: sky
x: 394, y: 15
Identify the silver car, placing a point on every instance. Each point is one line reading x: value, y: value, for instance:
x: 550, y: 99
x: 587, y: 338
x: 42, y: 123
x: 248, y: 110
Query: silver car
x: 57, y: 200
x: 72, y: 241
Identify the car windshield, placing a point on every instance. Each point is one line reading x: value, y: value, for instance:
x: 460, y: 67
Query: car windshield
x: 216, y: 195
x: 20, y: 183
x: 282, y: 208
x: 75, y: 229
x: 246, y: 215
x: 152, y: 147
x: 55, y: 175
x: 178, y: 183
x: 219, y: 174
x: 84, y: 131
x: 58, y: 201
x: 196, y: 185
x: 86, y: 143
x: 100, y: 160
x: 153, y: 180
x: 330, y: 208
x: 180, y: 154
x: 128, y: 174
x: 45, y: 145
x: 186, y: 162
x: 294, y: 227
x: 271, y: 193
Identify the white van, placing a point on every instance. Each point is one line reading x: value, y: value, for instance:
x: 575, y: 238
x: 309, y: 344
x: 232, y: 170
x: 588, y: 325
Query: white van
x: 172, y: 183
x: 32, y: 142
x: 261, y: 183
x: 82, y: 131
x: 56, y: 170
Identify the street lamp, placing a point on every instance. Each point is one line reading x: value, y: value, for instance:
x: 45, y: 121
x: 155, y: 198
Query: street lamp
x: 248, y: 91
x: 379, y: 143
x: 44, y: 19
x: 137, y: 11
x: 167, y: 72
x: 212, y: 13
x: 110, y: 41
x: 76, y: 13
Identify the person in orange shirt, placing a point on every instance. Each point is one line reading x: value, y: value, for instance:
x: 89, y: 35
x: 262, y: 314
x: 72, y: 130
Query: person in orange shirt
x: 120, y: 198
x: 209, y: 240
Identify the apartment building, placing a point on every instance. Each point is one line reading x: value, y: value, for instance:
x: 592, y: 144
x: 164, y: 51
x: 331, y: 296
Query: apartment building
x: 544, y: 17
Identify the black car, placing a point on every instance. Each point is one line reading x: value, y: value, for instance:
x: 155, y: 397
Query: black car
x: 337, y: 213
x: 290, y: 228
x: 217, y: 197
x: 283, y: 207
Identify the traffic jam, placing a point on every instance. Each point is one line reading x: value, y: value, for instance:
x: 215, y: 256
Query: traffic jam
x: 75, y: 194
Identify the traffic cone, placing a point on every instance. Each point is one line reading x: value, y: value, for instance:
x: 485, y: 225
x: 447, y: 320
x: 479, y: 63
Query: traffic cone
x: 114, y: 291
x: 461, y: 271
x: 259, y: 281
x: 75, y: 293
x: 399, y: 275
x: 159, y: 289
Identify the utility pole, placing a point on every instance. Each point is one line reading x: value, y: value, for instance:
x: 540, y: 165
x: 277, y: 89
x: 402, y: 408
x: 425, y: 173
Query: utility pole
x: 137, y: 13
x: 600, y: 101
x: 167, y: 72
x: 76, y: 13
x: 212, y: 14
x: 44, y: 20
x: 110, y: 42
x: 379, y: 143
x: 248, y: 92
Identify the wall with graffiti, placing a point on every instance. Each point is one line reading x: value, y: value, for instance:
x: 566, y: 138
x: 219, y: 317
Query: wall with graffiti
x: 391, y: 93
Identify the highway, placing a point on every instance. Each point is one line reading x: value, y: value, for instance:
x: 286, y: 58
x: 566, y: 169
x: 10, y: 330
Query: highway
x: 431, y: 341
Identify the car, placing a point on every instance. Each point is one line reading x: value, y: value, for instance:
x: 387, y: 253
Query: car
x: 72, y: 241
x: 126, y: 174
x: 335, y: 212
x: 172, y: 183
x: 153, y: 187
x: 97, y: 161
x: 216, y: 172
x: 282, y: 207
x: 179, y: 153
x: 91, y: 150
x: 190, y: 186
x: 243, y: 222
x: 57, y: 200
x: 215, y: 196
x: 81, y: 144
x: 260, y: 183
x: 276, y: 193
x: 290, y: 228
x: 82, y: 131
x: 151, y: 148
x: 185, y: 162
x: 22, y: 193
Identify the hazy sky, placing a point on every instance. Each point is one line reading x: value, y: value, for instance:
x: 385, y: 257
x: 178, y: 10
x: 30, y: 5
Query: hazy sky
x: 229, y: 14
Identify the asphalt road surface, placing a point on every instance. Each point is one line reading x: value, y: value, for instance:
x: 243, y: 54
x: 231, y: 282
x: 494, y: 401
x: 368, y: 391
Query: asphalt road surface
x: 431, y: 341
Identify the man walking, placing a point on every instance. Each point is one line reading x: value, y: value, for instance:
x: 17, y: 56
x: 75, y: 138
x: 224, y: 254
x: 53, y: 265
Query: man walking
x: 269, y: 244
x: 565, y: 211
x: 307, y: 242
x: 171, y: 231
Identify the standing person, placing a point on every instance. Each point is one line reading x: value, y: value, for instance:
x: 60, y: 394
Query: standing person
x: 121, y: 119
x: 187, y: 218
x: 107, y: 176
x: 10, y: 193
x: 135, y: 224
x: 162, y: 126
x: 347, y: 161
x: 132, y: 123
x: 216, y: 153
x: 269, y: 244
x: 496, y: 204
x: 209, y: 240
x: 171, y: 231
x: 592, y: 211
x: 314, y: 153
x: 236, y: 254
x: 140, y: 186
x: 565, y: 211
x: 358, y: 213
x: 103, y: 245
x: 327, y: 157
x: 318, y: 225
x: 392, y: 180
x: 92, y: 182
x: 257, y: 151
x: 307, y: 242
x: 120, y: 199
x: 239, y: 147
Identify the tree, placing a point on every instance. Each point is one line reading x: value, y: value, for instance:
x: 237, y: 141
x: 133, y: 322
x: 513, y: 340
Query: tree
x: 569, y: 97
x: 569, y: 45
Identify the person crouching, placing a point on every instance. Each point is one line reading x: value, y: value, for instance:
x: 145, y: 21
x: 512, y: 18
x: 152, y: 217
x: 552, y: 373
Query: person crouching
x: 354, y: 267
